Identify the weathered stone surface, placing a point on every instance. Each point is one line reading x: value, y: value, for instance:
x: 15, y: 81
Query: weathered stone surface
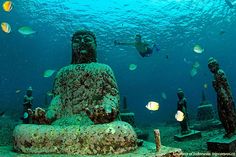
x: 128, y: 117
x: 220, y: 144
x: 206, y: 125
x: 205, y: 116
x: 225, y: 102
x: 79, y: 87
x: 193, y: 134
x: 112, y: 138
x: 84, y: 95
x: 146, y: 150
x: 205, y: 112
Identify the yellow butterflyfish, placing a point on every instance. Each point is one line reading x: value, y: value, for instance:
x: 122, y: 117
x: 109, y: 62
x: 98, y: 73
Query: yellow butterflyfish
x: 152, y: 105
x: 179, y: 116
x: 6, y: 27
x: 7, y: 6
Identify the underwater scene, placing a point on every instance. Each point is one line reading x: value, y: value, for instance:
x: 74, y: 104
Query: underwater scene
x: 126, y: 78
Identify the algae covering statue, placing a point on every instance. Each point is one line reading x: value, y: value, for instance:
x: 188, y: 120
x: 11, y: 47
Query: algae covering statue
x: 82, y: 116
x: 225, y: 102
x: 93, y: 90
x: 182, y: 106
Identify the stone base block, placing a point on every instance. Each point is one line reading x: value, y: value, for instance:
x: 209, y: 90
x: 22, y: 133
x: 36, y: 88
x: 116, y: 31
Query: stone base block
x: 110, y: 138
x: 194, y: 134
x: 206, y: 125
x: 205, y: 112
x: 220, y: 144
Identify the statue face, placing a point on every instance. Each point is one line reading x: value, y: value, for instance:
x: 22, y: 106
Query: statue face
x: 84, y: 44
x: 213, y: 66
x: 213, y: 69
x: 29, y: 93
x: 180, y: 95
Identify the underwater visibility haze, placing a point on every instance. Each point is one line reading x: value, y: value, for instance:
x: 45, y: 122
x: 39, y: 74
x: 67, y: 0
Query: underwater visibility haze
x: 187, y: 33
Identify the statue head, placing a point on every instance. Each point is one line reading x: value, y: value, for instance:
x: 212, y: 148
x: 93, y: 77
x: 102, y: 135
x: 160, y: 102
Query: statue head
x: 29, y: 91
x: 84, y: 47
x: 180, y: 93
x: 213, y: 65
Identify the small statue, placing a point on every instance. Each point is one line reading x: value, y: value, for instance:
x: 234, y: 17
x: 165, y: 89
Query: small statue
x: 28, y: 102
x: 225, y: 102
x: 182, y: 106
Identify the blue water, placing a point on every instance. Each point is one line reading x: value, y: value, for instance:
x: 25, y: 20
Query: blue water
x: 175, y: 25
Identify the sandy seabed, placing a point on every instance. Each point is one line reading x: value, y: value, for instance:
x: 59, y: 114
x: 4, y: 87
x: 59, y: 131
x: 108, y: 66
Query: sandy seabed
x: 197, y: 147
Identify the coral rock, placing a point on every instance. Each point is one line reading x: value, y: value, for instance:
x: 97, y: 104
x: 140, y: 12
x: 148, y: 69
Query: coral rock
x: 113, y: 138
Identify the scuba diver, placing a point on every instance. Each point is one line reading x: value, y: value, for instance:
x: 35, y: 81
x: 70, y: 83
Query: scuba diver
x: 142, y: 47
x: 230, y: 3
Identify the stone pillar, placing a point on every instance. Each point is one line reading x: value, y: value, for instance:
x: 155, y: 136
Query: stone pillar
x: 157, y: 139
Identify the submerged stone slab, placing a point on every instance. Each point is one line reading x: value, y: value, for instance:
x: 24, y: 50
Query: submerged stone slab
x: 146, y: 150
x: 221, y: 144
x: 205, y: 112
x: 194, y: 134
x: 111, y: 138
x: 169, y: 152
x: 206, y: 125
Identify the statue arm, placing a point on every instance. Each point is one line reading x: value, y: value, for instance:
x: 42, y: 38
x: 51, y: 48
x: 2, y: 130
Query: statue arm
x: 185, y: 108
x: 54, y: 108
x: 107, y: 107
x: 224, y: 82
x: 111, y: 90
x: 215, y: 86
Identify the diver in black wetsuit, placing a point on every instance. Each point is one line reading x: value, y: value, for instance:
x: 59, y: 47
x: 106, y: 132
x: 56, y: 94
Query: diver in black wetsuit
x: 230, y: 3
x: 142, y: 47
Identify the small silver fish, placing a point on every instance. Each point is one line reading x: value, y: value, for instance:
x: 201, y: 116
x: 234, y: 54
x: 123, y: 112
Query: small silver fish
x: 25, y: 30
x: 48, y: 73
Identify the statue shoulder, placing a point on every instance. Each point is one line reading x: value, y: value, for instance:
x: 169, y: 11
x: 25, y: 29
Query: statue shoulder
x: 220, y: 74
x: 101, y: 67
x: 185, y: 100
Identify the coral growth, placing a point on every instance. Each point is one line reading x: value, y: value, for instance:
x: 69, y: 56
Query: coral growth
x: 225, y: 102
x: 85, y: 94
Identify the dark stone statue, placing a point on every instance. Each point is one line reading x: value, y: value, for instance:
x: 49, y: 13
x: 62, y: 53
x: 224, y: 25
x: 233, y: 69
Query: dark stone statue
x: 83, y: 52
x: 27, y: 105
x: 225, y: 102
x: 182, y: 106
x: 83, y: 47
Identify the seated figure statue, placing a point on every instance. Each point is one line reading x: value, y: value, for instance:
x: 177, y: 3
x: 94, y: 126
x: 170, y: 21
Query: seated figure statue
x: 82, y: 116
